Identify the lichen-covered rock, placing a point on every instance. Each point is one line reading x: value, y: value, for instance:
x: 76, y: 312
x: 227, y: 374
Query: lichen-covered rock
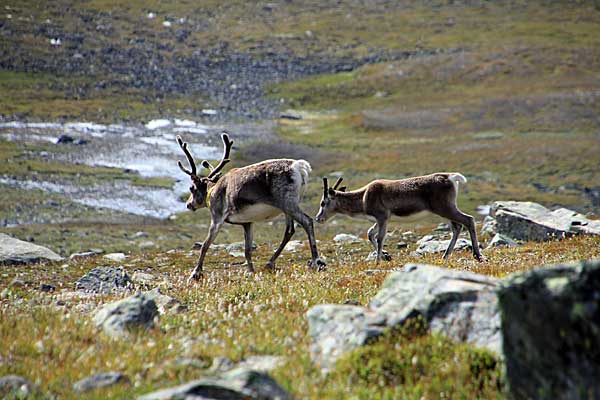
x: 551, y: 332
x: 100, y: 381
x: 237, y: 384
x: 461, y: 305
x: 137, y: 311
x: 104, y: 280
x: 14, y: 251
x: 457, y: 304
x: 335, y: 329
x: 534, y: 222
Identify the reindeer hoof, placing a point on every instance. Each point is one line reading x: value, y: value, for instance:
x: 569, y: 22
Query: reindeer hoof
x: 270, y: 266
x: 480, y: 258
x: 194, y: 277
x: 385, y: 256
x: 317, y: 264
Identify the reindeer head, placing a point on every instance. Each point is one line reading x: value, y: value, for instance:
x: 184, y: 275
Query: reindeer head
x: 201, y: 184
x: 329, y: 200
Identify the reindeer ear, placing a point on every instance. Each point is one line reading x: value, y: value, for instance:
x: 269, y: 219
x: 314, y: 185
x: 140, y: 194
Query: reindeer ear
x: 343, y: 189
x: 331, y: 192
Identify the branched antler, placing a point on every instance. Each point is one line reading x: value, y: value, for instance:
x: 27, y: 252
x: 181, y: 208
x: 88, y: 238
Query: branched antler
x: 227, y: 144
x: 337, y: 183
x: 189, y: 157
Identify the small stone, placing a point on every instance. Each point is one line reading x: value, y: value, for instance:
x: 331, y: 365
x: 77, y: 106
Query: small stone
x: 293, y: 245
x: 99, y: 381
x: 262, y: 363
x: 116, y: 257
x: 401, y: 245
x: 501, y: 241
x: 346, y: 238
x: 142, y: 278
x: 17, y: 283
x: 17, y: 387
x: 139, y: 235
x: 147, y: 244
x: 47, y: 287
x: 165, y: 304
x: 85, y: 254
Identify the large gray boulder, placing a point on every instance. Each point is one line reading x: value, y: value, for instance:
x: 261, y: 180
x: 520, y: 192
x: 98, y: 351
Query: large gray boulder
x: 533, y: 222
x: 335, y: 329
x: 551, y: 331
x: 237, y: 384
x: 137, y: 311
x: 461, y: 305
x: 14, y: 251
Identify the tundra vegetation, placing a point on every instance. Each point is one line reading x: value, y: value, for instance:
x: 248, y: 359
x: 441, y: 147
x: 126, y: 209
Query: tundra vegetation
x: 505, y: 93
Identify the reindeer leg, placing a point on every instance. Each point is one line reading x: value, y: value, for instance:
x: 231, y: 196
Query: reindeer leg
x: 456, y: 228
x: 372, y: 235
x: 306, y: 222
x: 248, y: 245
x: 455, y: 215
x: 382, y: 225
x: 287, y: 235
x: 212, y: 233
x: 470, y: 224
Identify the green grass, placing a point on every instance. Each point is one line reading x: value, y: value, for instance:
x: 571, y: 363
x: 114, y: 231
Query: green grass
x: 41, y: 96
x: 236, y: 315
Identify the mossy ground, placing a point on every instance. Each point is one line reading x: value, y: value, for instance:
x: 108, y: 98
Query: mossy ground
x: 236, y: 314
x: 510, y: 100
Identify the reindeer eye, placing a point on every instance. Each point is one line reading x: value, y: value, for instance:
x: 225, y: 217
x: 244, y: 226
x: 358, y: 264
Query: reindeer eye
x: 322, y: 204
x: 192, y: 189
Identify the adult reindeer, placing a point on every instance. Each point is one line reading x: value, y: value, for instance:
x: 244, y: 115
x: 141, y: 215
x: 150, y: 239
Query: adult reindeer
x: 384, y: 198
x: 257, y: 192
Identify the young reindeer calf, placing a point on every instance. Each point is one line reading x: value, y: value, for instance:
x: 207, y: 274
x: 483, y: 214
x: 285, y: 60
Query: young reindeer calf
x: 382, y: 199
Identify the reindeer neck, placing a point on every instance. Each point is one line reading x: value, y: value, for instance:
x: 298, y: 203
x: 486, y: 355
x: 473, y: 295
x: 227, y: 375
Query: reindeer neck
x: 350, y: 202
x: 210, y: 188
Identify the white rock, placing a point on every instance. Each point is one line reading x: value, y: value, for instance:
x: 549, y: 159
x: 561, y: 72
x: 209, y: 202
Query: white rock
x: 157, y: 123
x: 208, y: 111
x: 166, y: 23
x: 293, y: 245
x: 116, y: 257
x: 184, y: 122
x: 346, y: 238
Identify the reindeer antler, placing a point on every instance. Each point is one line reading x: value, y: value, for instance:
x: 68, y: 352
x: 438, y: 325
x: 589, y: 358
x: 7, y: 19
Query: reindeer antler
x: 227, y: 144
x: 189, y: 157
x: 337, y: 183
x: 325, y: 187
